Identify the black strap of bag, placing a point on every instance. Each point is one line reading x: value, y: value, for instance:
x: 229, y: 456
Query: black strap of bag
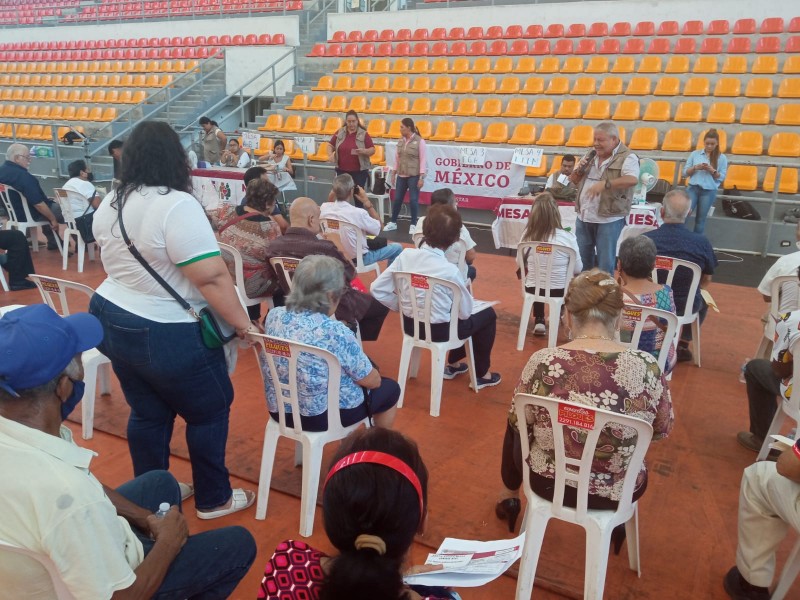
x: 84, y: 225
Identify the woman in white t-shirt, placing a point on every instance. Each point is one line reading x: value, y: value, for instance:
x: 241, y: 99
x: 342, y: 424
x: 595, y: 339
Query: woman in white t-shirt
x: 544, y: 225
x: 155, y: 346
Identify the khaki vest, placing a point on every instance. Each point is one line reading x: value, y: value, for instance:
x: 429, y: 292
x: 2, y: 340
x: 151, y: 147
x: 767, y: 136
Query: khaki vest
x: 613, y: 203
x: 408, y: 156
x: 361, y: 135
x: 211, y: 152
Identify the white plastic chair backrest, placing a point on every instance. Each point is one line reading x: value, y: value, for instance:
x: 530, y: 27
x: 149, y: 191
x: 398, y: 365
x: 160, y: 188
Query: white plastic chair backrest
x: 784, y: 295
x: 54, y: 292
x: 59, y: 587
x: 792, y: 406
x: 284, y: 267
x: 64, y: 199
x: 640, y: 315
x: 12, y: 214
x: 585, y: 421
x: 238, y: 264
x: 457, y: 250
x: 273, y: 349
x: 543, y: 267
x: 418, y: 291
x: 667, y: 263
x: 349, y: 237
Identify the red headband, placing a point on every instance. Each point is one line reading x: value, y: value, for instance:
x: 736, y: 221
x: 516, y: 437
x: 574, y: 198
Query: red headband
x: 380, y: 458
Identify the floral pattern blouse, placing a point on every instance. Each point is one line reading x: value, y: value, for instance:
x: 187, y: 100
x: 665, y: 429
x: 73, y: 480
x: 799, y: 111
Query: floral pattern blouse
x: 627, y: 382
x: 652, y: 337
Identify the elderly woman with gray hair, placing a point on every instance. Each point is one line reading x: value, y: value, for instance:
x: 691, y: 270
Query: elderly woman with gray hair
x: 307, y: 318
x: 637, y: 257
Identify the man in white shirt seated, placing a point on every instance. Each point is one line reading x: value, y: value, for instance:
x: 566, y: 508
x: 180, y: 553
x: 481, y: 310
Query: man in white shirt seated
x: 365, y: 219
x: 441, y: 229
x: 104, y: 543
x: 559, y: 184
x: 82, y: 193
x: 235, y: 156
x: 785, y: 265
x: 453, y: 253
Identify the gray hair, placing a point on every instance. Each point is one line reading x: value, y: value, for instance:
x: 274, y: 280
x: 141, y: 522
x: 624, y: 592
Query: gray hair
x: 676, y: 206
x: 15, y: 150
x: 314, y: 279
x: 608, y: 128
x: 74, y: 370
x: 637, y: 256
x: 343, y: 186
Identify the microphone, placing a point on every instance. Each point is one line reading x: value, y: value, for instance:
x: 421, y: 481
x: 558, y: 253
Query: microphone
x: 582, y: 168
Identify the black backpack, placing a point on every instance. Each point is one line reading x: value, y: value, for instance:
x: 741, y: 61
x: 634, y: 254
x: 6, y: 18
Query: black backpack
x: 739, y: 209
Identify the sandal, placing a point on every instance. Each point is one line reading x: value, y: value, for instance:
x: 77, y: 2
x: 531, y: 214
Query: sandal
x: 240, y: 499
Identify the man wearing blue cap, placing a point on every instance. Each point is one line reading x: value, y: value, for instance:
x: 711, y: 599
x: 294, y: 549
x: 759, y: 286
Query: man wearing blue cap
x: 104, y: 543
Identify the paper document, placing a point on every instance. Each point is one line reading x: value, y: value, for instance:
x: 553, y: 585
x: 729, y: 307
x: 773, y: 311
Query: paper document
x: 709, y: 300
x: 468, y: 563
x: 479, y: 305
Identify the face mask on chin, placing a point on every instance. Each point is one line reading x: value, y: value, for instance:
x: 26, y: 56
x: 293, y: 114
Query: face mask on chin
x: 68, y: 405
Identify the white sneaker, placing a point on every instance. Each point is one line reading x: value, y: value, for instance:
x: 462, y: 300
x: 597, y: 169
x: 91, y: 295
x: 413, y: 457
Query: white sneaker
x: 390, y: 226
x: 412, y: 230
x: 539, y: 329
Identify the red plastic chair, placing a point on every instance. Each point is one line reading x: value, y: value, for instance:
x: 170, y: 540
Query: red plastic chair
x: 200, y: 40
x: 540, y: 47
x: 518, y: 48
x: 224, y: 40
x: 213, y: 40
x: 420, y: 49
x: 609, y: 46
x: 659, y: 46
x: 685, y: 46
x: 474, y: 33
x: 794, y: 25
x: 621, y: 29
x: 403, y: 35
x: 402, y: 49
x: 771, y: 25
x: 367, y: 49
x: 718, y: 27
x: 498, y: 48
x: 333, y: 50
x: 742, y: 46
x: 350, y: 50
x: 438, y: 49
x: 513, y: 32
x: 264, y: 39
x: 576, y: 30
x: 438, y: 34
x: 477, y: 48
x: 178, y: 41
x: 744, y: 27
x: 645, y: 28
x: 279, y: 39
x: 371, y: 35
x: 711, y: 46
x: 189, y: 40
x: 563, y: 47
x: 598, y: 30
x: 792, y: 44
x: 338, y: 36
x: 456, y: 33
x: 586, y: 46
x: 354, y: 36
x: 556, y: 30
x: 420, y: 35
x: 633, y: 46
x: 693, y: 28
x: 668, y: 28
x: 534, y: 31
x: 384, y: 49
x: 387, y: 35
x: 495, y: 32
x: 764, y: 45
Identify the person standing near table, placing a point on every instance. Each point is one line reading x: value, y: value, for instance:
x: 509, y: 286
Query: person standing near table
x: 213, y: 140
x: 410, y: 173
x: 352, y: 146
x: 706, y: 170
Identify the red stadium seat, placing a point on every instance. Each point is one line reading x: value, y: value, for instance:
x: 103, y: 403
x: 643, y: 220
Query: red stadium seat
x: 771, y: 25
x: 794, y: 25
x: 556, y: 30
x: 586, y: 46
x: 200, y: 40
x: 477, y: 48
x: 534, y: 31
x: 741, y: 46
x: 264, y: 39
x: 645, y: 28
x: 350, y: 49
x: 367, y: 49
x: 333, y: 50
x: 251, y: 39
x: 576, y: 30
x: 668, y: 28
x: 420, y: 35
x: 384, y: 49
x: 402, y: 49
x: 513, y: 32
x: 354, y: 36
x: 457, y: 33
x: 609, y: 46
x: 540, y: 47
x: 402, y: 35
x: 371, y: 35
x: 793, y: 44
x: 711, y: 46
x: 474, y: 33
x: 279, y: 39
x: 498, y: 48
x: 692, y: 28
x: 598, y: 30
x: 224, y: 40
x: 438, y: 49
x: 213, y: 40
x: 457, y: 49
x: 387, y: 35
x: 494, y: 32
x: 633, y: 46
x: 718, y: 27
x: 684, y: 46
x: 744, y: 26
x: 518, y: 48
x: 438, y: 33
x: 563, y: 47
x: 659, y: 46
x: 765, y: 44
x: 338, y: 36
x: 237, y: 40
x: 420, y: 49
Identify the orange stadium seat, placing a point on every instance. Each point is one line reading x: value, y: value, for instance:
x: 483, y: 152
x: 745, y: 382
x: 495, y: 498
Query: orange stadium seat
x: 523, y: 135
x: 666, y: 171
x: 496, y: 133
x: 425, y: 129
x: 481, y: 65
x: 420, y: 106
x: 581, y: 136
x: 445, y: 132
x: 760, y: 87
x: 552, y: 135
x: 667, y: 86
x: 439, y: 66
x: 357, y: 104
x: 442, y: 85
x: 741, y: 177
x: 443, y: 106
x: 509, y: 85
x: 394, y: 130
x: 788, y: 114
x: 400, y: 84
x: 557, y: 85
x: 572, y: 64
x: 610, y: 86
x: 419, y: 66
x: 491, y: 107
x: 584, y: 86
x: 400, y: 65
x: 516, y: 108
x: 292, y: 124
x: 658, y: 110
x: 300, y: 102
x: 547, y: 65
x: 569, y: 109
x: 486, y: 85
x: 362, y: 83
x: 784, y: 143
x: 748, y: 142
x: 317, y: 103
x: 460, y: 66
x: 623, y: 64
x: 765, y: 65
x: 728, y: 87
x: 421, y: 85
x: 789, y: 88
x: 337, y: 104
x: 464, y: 85
x: 705, y: 65
x: 399, y: 106
x: 638, y: 86
x: 274, y: 123
x: 376, y: 128
x: 677, y: 140
x: 627, y: 110
x: 597, y: 64
x: 735, y: 65
x: 378, y: 104
x: 697, y: 86
x: 598, y: 110
x: 467, y: 107
x: 332, y: 125
x: 650, y: 64
x: 533, y: 85
x: 722, y: 112
x: 313, y: 125
x: 609, y: 46
x: 644, y: 138
x: 788, y: 183
x: 542, y: 109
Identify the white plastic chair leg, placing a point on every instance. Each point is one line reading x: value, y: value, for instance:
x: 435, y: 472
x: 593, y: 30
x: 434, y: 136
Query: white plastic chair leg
x: 3, y: 282
x: 597, y: 543
x: 402, y: 374
x: 87, y: 402
x: 81, y: 247
x: 534, y: 535
x: 774, y: 427
x: 473, y: 374
x: 312, y: 464
x: 696, y: 340
x: 554, y: 321
x: 789, y: 574
x: 271, y: 435
x: 65, y: 252
x: 104, y: 372
x: 632, y: 537
x: 416, y: 356
x: 438, y: 362
x: 298, y: 454
x: 527, y: 306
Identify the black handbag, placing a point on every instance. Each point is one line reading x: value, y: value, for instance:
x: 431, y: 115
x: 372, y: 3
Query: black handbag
x: 84, y: 225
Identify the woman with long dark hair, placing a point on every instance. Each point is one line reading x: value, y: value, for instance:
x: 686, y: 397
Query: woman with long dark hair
x: 410, y: 170
x: 155, y: 346
x: 706, y: 169
x: 351, y: 148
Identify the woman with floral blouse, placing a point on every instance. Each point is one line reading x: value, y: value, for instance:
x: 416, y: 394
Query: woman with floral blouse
x: 592, y: 369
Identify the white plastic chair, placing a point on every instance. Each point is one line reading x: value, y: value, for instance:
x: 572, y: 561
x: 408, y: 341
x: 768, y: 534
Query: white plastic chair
x: 342, y: 230
x: 640, y: 315
x: 666, y: 263
x: 598, y: 523
x: 59, y: 587
x: 95, y: 363
x: 63, y: 198
x: 457, y: 251
x: 542, y: 271
x: 284, y: 267
x: 780, y: 289
x: 313, y: 442
x: 417, y: 291
x: 786, y: 408
x: 380, y: 199
x: 28, y: 222
x: 238, y: 276
x: 788, y: 575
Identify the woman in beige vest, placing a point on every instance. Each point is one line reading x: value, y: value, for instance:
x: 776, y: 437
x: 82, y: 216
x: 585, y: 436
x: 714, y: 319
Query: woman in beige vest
x: 213, y: 140
x: 410, y: 170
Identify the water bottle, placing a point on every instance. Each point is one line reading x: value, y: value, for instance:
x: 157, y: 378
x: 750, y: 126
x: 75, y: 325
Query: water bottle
x: 162, y: 511
x: 741, y: 370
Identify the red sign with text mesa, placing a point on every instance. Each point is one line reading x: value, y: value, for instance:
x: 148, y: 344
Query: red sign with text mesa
x: 576, y: 416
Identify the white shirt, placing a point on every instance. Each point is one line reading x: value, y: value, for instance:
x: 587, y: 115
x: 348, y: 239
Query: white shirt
x: 558, y: 273
x: 279, y: 177
x: 424, y: 261
x: 85, y: 191
x: 170, y: 231
x: 51, y: 504
x: 341, y: 210
x: 453, y: 253
x: 590, y: 204
x: 785, y: 265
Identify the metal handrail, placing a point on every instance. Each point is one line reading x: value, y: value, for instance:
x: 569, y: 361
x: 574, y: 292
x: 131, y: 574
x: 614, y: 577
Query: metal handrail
x: 326, y: 5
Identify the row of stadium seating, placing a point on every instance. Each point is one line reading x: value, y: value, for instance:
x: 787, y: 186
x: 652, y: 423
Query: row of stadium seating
x: 65, y: 113
x: 117, y: 54
x: 153, y: 42
x: 57, y: 80
x: 106, y: 66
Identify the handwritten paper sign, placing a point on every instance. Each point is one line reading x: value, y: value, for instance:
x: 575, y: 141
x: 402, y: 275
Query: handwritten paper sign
x: 527, y: 156
x: 307, y: 145
x: 277, y: 347
x: 251, y: 140
x: 472, y: 155
x: 576, y: 416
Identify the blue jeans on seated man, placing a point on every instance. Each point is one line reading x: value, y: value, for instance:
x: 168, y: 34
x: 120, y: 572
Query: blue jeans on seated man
x: 597, y: 243
x: 702, y: 201
x: 391, y: 251
x: 210, y: 564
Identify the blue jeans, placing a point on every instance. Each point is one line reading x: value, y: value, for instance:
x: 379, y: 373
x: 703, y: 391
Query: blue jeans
x: 210, y: 564
x: 597, y: 243
x: 165, y: 370
x: 388, y: 253
x: 402, y: 184
x: 702, y: 201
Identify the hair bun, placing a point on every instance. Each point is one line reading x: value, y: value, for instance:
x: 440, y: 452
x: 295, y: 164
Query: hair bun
x: 596, y: 290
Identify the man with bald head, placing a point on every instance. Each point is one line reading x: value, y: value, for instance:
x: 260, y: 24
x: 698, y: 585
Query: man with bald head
x: 675, y: 240
x: 301, y: 240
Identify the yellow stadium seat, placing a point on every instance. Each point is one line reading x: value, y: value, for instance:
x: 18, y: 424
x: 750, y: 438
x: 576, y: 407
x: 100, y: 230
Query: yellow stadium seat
x: 627, y: 110
x: 337, y: 104
x: 325, y: 84
x: 502, y: 65
x: 420, y: 106
x: 399, y: 106
x: 584, y: 86
x: 137, y: 81
x: 109, y: 114
x: 425, y: 129
x: 728, y: 87
x: 517, y: 107
x: 610, y: 86
x: 723, y: 140
x: 439, y: 66
x: 765, y: 64
x: 741, y: 177
x: 667, y: 86
x: 705, y: 65
x: 343, y: 84
x: 442, y: 85
x: 422, y: 85
x: 791, y: 66
x: 555, y: 166
x: 597, y: 64
x: 321, y: 155
x: 697, y: 86
x: 332, y: 125
x: 784, y: 143
x: 761, y: 87
x: 649, y: 64
x: 38, y: 132
x: 539, y: 171
x: 542, y: 109
x: 666, y: 170
x: 599, y: 110
x: 525, y: 65
x: 273, y: 123
x: 755, y: 114
x: 788, y: 184
x: 789, y: 88
x: 312, y: 126
x: 378, y: 159
x: 317, y: 103
x: 623, y: 64
x: 445, y: 132
x: 378, y: 104
x: 722, y: 112
x: 401, y: 65
x: 57, y: 112
x: 443, y: 106
x: 486, y: 85
x: 459, y: 66
x: 748, y: 142
x: 85, y: 96
x: 677, y: 140
x: 788, y: 114
x: 558, y: 85
x: 38, y: 95
x: 572, y: 64
x: 639, y: 86
x: 62, y: 95
x: 658, y: 110
x: 419, y: 66
x: 95, y: 113
x: 346, y: 66
x: 74, y: 96
x: 467, y: 107
x: 533, y: 85
x: 299, y: 102
x: 357, y: 104
x: 689, y: 112
x: 381, y: 66
x: 548, y: 64
x: 552, y: 135
x: 496, y: 133
x: 581, y: 136
x: 524, y: 135
x: 23, y: 131
x: 509, y: 85
x: 464, y: 85
x: 394, y: 130
x: 292, y: 124
x: 734, y: 65
x: 569, y: 109
x: 644, y: 138
x: 380, y: 85
x: 490, y: 108
x: 376, y: 128
x: 481, y: 65
x: 138, y: 97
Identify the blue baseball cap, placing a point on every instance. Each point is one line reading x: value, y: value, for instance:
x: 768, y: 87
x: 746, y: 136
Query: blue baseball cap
x: 36, y: 344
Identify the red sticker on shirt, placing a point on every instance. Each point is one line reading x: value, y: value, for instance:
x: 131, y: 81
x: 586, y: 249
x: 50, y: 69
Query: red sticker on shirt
x: 50, y: 286
x: 544, y: 249
x: 576, y: 416
x: 419, y: 281
x: 663, y: 262
x: 634, y: 314
x: 277, y: 347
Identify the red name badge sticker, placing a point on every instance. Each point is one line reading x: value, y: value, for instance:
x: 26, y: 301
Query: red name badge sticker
x: 277, y: 347
x: 333, y: 225
x: 420, y: 282
x: 634, y: 314
x: 576, y: 416
x: 50, y: 286
x: 290, y: 265
x: 544, y: 249
x: 662, y: 262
